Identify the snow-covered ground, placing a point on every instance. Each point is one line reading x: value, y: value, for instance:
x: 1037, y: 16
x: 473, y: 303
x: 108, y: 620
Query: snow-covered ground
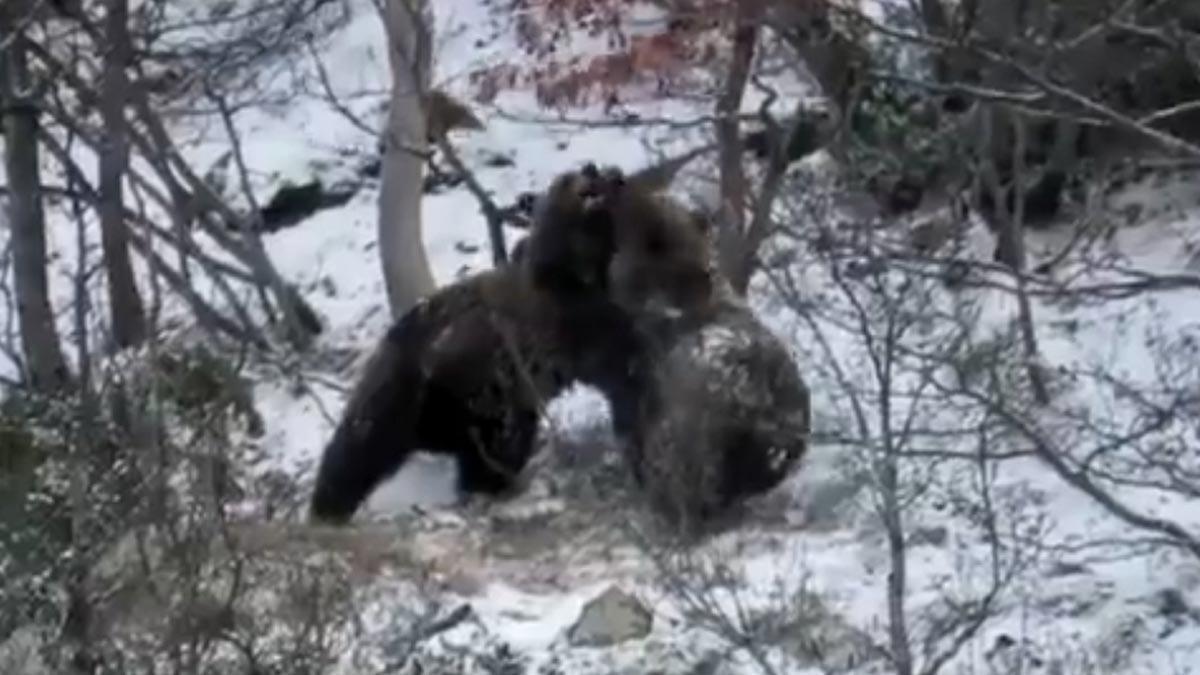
x: 1072, y: 615
x: 818, y: 533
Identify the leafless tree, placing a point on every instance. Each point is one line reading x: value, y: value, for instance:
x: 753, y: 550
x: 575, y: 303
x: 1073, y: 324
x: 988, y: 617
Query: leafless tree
x: 128, y: 317
x: 21, y: 93
x: 1025, y: 121
x: 973, y: 114
x: 132, y: 119
x: 127, y: 547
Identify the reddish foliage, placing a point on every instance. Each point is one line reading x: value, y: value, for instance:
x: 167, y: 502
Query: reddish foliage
x: 653, y: 57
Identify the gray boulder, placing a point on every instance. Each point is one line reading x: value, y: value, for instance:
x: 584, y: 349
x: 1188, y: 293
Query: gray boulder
x: 610, y: 618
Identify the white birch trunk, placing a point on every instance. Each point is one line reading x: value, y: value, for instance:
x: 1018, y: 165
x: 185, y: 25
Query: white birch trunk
x: 406, y: 270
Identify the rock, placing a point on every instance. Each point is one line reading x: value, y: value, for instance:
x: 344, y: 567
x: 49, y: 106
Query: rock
x: 611, y: 618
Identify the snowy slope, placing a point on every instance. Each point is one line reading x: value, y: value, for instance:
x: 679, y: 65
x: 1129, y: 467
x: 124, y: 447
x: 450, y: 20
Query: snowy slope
x: 1065, y: 609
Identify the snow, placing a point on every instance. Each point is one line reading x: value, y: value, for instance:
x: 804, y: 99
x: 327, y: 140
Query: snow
x: 840, y: 552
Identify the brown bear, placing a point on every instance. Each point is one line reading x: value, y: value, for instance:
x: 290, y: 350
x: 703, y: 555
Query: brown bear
x: 467, y: 371
x: 731, y: 418
x: 615, y: 287
x: 723, y: 412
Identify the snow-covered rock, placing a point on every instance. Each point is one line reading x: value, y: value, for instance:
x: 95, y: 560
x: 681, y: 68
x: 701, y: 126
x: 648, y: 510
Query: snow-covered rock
x: 611, y: 618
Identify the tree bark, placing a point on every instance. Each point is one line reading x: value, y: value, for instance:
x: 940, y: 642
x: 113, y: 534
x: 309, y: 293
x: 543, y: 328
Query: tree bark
x: 46, y: 368
x: 731, y: 236
x: 128, y: 315
x: 406, y: 270
x: 1010, y: 238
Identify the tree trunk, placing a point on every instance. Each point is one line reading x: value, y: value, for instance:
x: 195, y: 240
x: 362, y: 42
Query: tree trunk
x: 406, y: 270
x: 45, y: 365
x: 1016, y: 241
x: 1010, y: 238
x: 128, y: 317
x: 731, y: 236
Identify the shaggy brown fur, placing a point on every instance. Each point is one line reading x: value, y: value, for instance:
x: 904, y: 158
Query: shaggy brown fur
x: 655, y: 250
x: 613, y: 286
x: 722, y: 412
x: 467, y: 370
x: 731, y: 419
x: 450, y: 376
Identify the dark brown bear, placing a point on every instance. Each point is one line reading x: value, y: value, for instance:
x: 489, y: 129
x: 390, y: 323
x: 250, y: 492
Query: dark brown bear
x: 467, y: 371
x: 665, y: 253
x: 731, y: 418
x: 722, y: 412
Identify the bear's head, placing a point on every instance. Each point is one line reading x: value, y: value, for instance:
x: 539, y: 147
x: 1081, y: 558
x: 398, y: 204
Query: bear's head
x: 571, y: 241
x: 662, y: 263
x: 599, y: 230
